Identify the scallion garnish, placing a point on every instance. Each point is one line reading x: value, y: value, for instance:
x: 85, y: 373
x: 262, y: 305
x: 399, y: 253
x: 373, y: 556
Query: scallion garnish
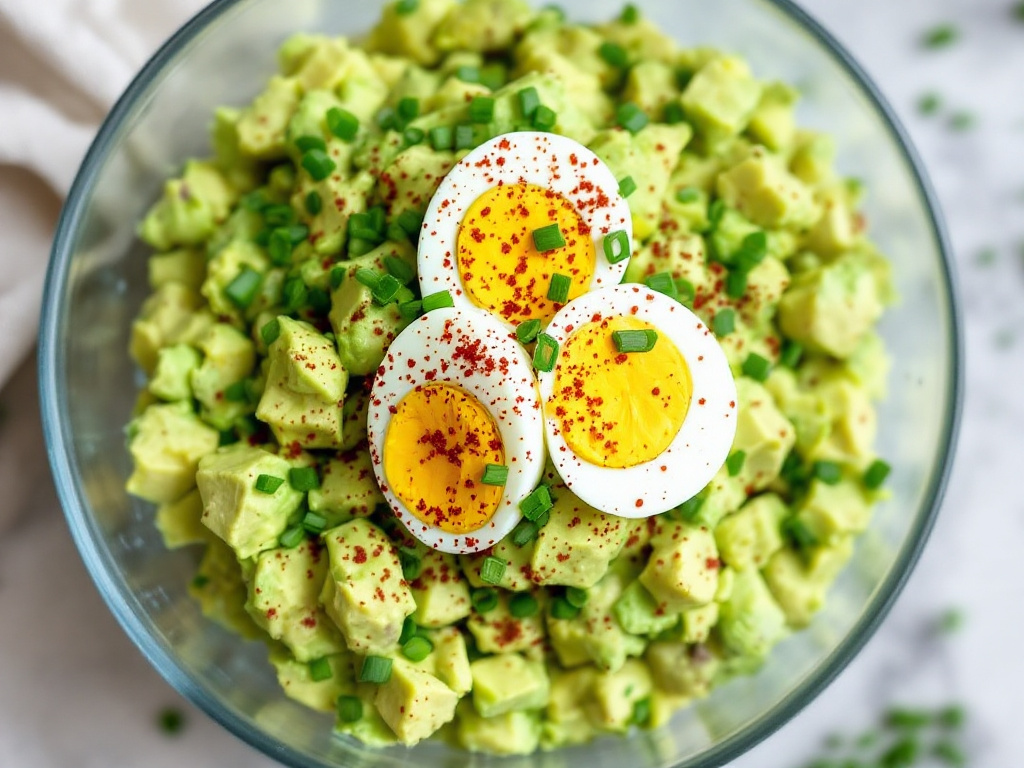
x: 536, y: 503
x: 386, y: 289
x: 492, y: 570
x: 688, y: 509
x: 558, y: 290
x: 577, y: 597
x: 544, y: 118
x: 293, y: 294
x: 662, y: 282
x: 349, y: 708
x: 635, y: 341
x: 270, y: 331
x: 875, y: 474
x: 674, y: 113
x: 412, y: 136
x: 688, y: 195
x: 306, y: 143
x: 481, y: 109
x: 484, y: 599
x: 792, y: 351
x: 292, y: 536
x: 798, y: 531
x: 318, y: 164
x: 524, y: 532
x: 828, y: 472
x: 631, y: 117
x: 627, y: 186
x: 465, y: 137
x: 734, y: 464
x: 545, y: 354
x: 279, y: 247
x: 495, y: 474
x: 342, y: 123
x: 757, y: 367
x: 243, y: 288
x: 437, y: 300
x: 375, y: 669
x: 468, y: 74
x: 408, y: 108
x: 548, y: 238
x: 616, y: 246
x: 563, y: 609
x: 529, y: 100
x: 367, y: 277
x: 412, y: 563
x: 523, y: 605
x: 630, y: 14
x: 268, y: 483
x: 527, y: 330
x: 400, y: 269
x: 687, y: 291
x: 441, y: 138
x: 417, y: 648
x: 614, y: 55
x: 320, y: 670
x: 724, y: 322
x: 736, y: 284
x: 405, y: 7
x: 410, y: 310
x: 314, y: 522
x: 303, y: 479
x: 411, y: 221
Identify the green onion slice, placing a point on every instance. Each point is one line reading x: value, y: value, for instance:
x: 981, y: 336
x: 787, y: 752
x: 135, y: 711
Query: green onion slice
x: 495, y: 474
x: 616, y: 246
x: 558, y: 290
x: 545, y: 353
x: 437, y: 300
x: 375, y: 669
x: 635, y: 341
x: 527, y: 330
x: 548, y: 238
x: 492, y: 570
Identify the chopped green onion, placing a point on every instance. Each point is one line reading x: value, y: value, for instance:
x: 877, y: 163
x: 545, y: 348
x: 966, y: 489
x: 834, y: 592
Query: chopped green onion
x: 342, y: 123
x: 405, y: 7
x: 387, y: 119
x: 951, y: 717
x: 734, y: 464
x: 481, y: 109
x: 614, y: 55
x: 437, y: 300
x: 349, y: 709
x: 386, y: 289
x: 635, y: 341
x: 441, y: 138
x: 292, y: 536
x: 314, y: 522
x: 940, y: 36
x: 529, y: 100
x: 254, y: 201
x: 688, y: 509
x: 902, y: 754
x: 756, y: 367
x: 495, y: 474
x: 716, y: 209
x: 563, y: 609
x: 522, y: 605
x: 270, y: 331
x: 484, y: 599
x: 577, y: 597
x: 736, y: 284
x: 303, y: 479
x: 465, y: 138
x: 413, y: 136
x: 278, y: 215
x: 630, y: 14
x: 799, y: 532
x: 548, y: 238
x: 627, y: 186
x: 908, y: 719
x: 688, y: 195
x: 412, y: 563
x: 268, y: 483
x: 337, y: 276
x: 792, y: 351
x: 662, y: 282
x: 318, y: 164
x: 724, y: 322
x: 417, y: 648
x: 525, y: 532
x: 408, y: 108
x: 375, y: 669
x: 367, y: 277
x: 875, y: 474
x: 237, y: 392
x: 411, y: 221
x: 493, y: 75
x: 171, y: 720
x: 558, y: 290
x: 828, y: 472
x: 492, y: 571
x: 294, y: 294
x: 400, y: 269
x: 200, y: 581
x: 945, y: 750
x: 468, y: 74
x: 687, y: 291
x: 243, y: 288
x: 544, y: 118
x: 320, y: 670
x: 279, y: 246
x: 616, y: 246
x: 410, y: 310
x: 641, y: 712
x: 527, y: 330
x: 631, y: 117
x: 306, y: 143
x: 537, y: 502
x: 409, y: 630
x: 674, y: 113
x: 545, y: 353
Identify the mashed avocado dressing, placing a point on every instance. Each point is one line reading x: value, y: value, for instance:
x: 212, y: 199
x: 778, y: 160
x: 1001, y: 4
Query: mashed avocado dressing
x: 284, y: 269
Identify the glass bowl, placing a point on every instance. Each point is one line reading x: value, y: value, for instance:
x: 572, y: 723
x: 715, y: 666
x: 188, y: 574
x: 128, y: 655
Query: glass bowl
x: 96, y: 283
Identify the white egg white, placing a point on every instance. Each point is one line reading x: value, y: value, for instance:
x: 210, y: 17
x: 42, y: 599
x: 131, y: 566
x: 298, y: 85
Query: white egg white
x: 703, y: 442
x: 544, y: 159
x: 499, y: 374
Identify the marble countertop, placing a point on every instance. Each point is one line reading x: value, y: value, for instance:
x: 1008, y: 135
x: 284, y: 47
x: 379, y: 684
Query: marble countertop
x: 75, y: 692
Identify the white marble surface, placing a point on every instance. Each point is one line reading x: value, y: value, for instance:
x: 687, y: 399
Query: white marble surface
x: 75, y: 692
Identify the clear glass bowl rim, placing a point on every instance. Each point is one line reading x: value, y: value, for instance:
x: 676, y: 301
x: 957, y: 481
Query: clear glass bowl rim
x: 52, y: 368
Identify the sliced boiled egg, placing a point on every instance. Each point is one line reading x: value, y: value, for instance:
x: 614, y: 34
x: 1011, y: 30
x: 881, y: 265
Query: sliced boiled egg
x: 455, y: 429
x: 640, y: 405
x: 517, y: 214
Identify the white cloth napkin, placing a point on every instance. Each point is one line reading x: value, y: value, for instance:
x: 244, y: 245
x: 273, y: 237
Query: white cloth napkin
x: 62, y: 65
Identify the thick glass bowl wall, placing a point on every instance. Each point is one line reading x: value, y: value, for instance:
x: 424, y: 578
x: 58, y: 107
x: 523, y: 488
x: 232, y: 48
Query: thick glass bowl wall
x: 97, y: 281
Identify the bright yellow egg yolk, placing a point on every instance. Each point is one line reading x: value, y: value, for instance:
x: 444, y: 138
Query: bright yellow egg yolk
x: 437, y: 445
x: 618, y: 409
x: 502, y: 271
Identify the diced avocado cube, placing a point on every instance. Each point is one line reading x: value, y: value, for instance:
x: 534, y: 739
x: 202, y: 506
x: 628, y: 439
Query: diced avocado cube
x: 763, y: 190
x: 650, y: 84
x: 643, y: 39
x: 799, y: 581
x: 219, y: 588
x: 721, y: 97
x: 483, y: 25
x: 640, y: 614
x: 190, y: 209
x: 262, y: 125
x: 683, y: 568
x: 565, y: 719
x: 515, y: 577
x: 829, y: 512
x: 354, y: 413
x: 449, y: 661
x: 766, y: 284
x: 243, y: 173
x: 228, y: 358
x: 649, y: 157
x: 440, y: 591
x: 698, y: 622
x: 310, y: 120
x: 749, y: 537
x: 681, y: 254
x: 773, y: 122
x: 680, y: 669
x: 751, y: 622
x: 184, y: 265
x: 341, y: 197
x: 724, y: 494
x: 180, y: 521
x: 164, y: 318
x: 249, y: 520
x: 305, y: 390
x: 347, y: 489
x: 512, y: 733
x: 614, y: 694
x: 284, y: 596
x: 498, y: 631
x: 410, y: 180
x: 830, y: 308
x: 410, y: 35
x: 577, y: 544
x: 414, y: 703
x: 365, y: 593
x: 174, y: 367
x: 853, y: 422
x: 508, y: 682
x: 813, y: 157
x: 224, y: 266
x: 835, y: 231
x: 295, y: 679
x: 167, y: 444
x: 762, y: 433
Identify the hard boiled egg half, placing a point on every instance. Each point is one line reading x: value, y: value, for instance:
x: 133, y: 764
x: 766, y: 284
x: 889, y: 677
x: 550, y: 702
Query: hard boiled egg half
x: 640, y: 405
x: 518, y: 213
x: 455, y: 429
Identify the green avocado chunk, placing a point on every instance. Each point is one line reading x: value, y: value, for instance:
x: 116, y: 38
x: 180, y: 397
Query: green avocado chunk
x: 682, y: 571
x: 507, y: 682
x: 512, y: 733
x: 347, y: 488
x: 414, y: 703
x: 751, y: 621
x: 575, y: 547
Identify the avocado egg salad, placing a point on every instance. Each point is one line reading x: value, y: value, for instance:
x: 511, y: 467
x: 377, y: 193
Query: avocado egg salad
x: 514, y: 376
